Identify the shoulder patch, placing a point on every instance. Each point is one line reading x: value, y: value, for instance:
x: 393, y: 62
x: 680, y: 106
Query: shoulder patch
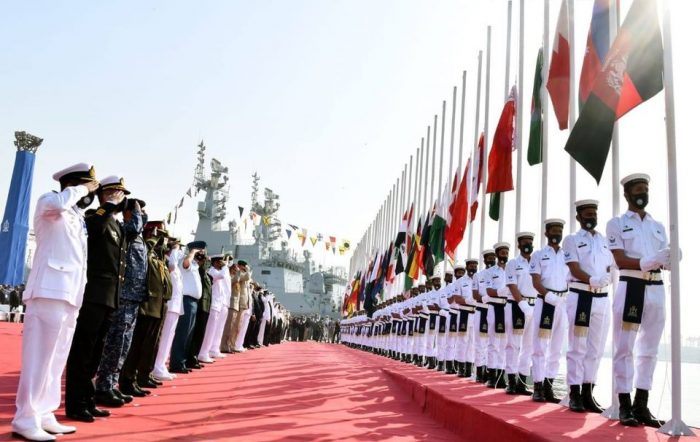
x: 100, y: 211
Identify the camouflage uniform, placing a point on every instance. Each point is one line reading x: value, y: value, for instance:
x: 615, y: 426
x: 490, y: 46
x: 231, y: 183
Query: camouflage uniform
x: 133, y: 292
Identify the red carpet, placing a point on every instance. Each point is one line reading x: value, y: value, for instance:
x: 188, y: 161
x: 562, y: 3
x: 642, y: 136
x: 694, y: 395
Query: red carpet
x: 477, y: 413
x: 293, y: 391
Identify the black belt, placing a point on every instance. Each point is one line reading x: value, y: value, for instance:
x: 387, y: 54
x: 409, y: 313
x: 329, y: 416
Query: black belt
x: 591, y: 294
x: 631, y: 278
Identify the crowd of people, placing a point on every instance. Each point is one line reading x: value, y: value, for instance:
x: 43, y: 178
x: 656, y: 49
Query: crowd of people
x: 120, y: 304
x: 509, y: 320
x: 315, y: 328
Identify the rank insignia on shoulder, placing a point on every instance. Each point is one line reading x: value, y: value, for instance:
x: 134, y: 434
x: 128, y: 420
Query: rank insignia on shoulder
x: 100, y: 211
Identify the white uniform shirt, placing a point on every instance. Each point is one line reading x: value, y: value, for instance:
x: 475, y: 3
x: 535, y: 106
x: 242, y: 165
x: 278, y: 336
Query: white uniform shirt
x: 191, y: 281
x: 175, y: 303
x: 218, y: 288
x: 481, y: 282
x: 465, y: 289
x: 550, y: 265
x: 518, y: 273
x: 589, y: 251
x: 638, y: 238
x: 59, y: 268
x: 498, y: 281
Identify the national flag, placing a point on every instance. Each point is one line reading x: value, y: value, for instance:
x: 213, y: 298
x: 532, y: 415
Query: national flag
x: 559, y: 68
x: 459, y: 218
x: 400, y: 244
x: 501, y: 154
x: 426, y: 260
x: 597, y: 46
x: 437, y: 229
x: 240, y: 211
x: 534, y: 146
x: 476, y: 180
x: 632, y: 74
x: 451, y: 202
x: 412, y: 263
x: 495, y: 206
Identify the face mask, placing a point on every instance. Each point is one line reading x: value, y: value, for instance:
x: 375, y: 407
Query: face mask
x: 526, y: 249
x: 471, y: 272
x: 86, y: 201
x: 589, y: 223
x: 555, y: 239
x: 502, y: 259
x: 640, y: 200
x: 490, y: 263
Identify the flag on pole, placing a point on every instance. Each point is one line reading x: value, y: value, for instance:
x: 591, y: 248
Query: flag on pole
x: 289, y: 233
x: 559, y: 69
x: 439, y: 225
x: 534, y: 146
x: 240, y: 211
x: 427, y: 261
x: 400, y: 244
x: 459, y: 219
x: 313, y: 240
x: 632, y: 74
x: 495, y: 206
x: 477, y: 178
x: 501, y: 154
x: 597, y: 46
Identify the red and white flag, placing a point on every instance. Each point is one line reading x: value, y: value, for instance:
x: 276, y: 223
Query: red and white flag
x: 476, y: 177
x: 559, y: 69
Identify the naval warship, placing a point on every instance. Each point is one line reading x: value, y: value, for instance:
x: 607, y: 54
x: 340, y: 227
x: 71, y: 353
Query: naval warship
x: 299, y: 284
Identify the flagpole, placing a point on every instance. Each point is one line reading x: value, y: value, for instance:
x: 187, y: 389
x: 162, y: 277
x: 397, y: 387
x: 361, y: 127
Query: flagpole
x: 419, y: 179
x: 442, y: 146
x: 572, y: 114
x: 476, y: 144
x: 676, y: 426
x: 545, y: 121
x: 452, y: 132
x: 613, y: 411
x: 424, y: 182
x: 432, y: 172
x: 410, y: 196
x: 502, y: 197
x: 487, y: 93
x: 519, y: 118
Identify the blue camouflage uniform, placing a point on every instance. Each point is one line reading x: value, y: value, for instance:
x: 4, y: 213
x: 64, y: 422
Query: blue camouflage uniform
x: 133, y: 293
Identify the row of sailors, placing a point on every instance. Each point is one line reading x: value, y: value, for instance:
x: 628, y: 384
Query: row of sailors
x: 510, y: 319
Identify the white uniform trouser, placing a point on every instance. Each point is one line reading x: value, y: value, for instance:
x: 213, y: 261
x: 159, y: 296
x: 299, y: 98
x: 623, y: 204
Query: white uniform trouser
x: 48, y: 330
x: 431, y: 350
x: 634, y: 352
x: 584, y: 352
x: 496, y: 343
x: 243, y: 327
x: 166, y: 342
x: 518, y: 345
x: 220, y: 326
x: 480, y: 341
x: 546, y: 351
x: 464, y: 342
x: 209, y: 334
x: 261, y: 333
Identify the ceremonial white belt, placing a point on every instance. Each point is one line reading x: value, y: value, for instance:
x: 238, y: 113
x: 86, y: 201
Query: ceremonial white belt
x: 646, y: 276
x: 468, y: 308
x: 587, y: 287
x: 423, y: 315
x: 454, y: 311
x: 497, y: 300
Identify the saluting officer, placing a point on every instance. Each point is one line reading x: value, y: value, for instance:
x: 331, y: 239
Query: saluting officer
x: 53, y: 296
x: 640, y: 247
x: 105, y: 276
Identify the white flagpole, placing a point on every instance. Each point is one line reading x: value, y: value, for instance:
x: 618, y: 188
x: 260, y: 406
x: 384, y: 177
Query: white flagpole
x: 442, y: 146
x: 419, y: 180
x: 432, y: 173
x: 476, y: 144
x: 676, y: 426
x: 572, y: 113
x: 502, y: 201
x: 544, y: 100
x: 519, y: 119
x: 452, y: 132
x: 613, y: 411
x: 425, y: 172
x: 487, y: 93
x: 410, y: 196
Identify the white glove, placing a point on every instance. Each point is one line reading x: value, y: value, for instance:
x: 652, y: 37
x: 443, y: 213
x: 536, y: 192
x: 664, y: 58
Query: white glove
x: 444, y: 313
x: 553, y: 299
x: 598, y: 282
x: 503, y: 291
x: 649, y: 263
x: 526, y: 308
x: 664, y: 256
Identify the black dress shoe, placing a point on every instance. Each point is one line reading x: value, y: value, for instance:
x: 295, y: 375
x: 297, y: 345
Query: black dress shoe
x: 193, y: 365
x: 549, y: 392
x: 82, y: 415
x: 131, y: 390
x: 538, y: 394
x: 148, y: 383
x: 181, y: 370
x: 575, y: 402
x: 98, y: 412
x: 589, y: 402
x: 125, y: 397
x: 155, y: 381
x: 108, y: 399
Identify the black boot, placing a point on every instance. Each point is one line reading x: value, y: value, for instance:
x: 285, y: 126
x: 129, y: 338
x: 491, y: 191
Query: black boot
x: 501, y: 379
x: 575, y: 402
x: 491, y: 378
x: 589, y: 402
x: 641, y: 412
x: 549, y: 392
x: 441, y: 366
x: 484, y: 375
x: 521, y: 385
x: 432, y: 363
x: 538, y: 393
x: 468, y: 369
x: 479, y: 374
x: 511, y: 388
x: 626, y: 416
x: 450, y: 367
